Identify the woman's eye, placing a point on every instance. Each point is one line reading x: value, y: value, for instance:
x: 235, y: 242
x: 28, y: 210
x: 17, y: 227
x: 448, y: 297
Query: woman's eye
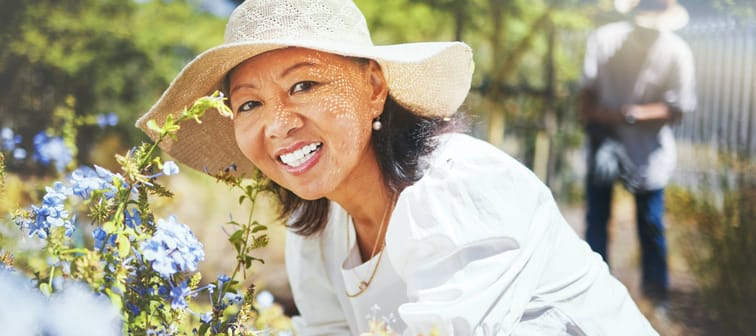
x: 248, y: 106
x: 302, y: 86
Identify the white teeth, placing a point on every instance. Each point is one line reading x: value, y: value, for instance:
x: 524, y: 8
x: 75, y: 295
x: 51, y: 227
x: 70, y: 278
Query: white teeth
x: 300, y: 156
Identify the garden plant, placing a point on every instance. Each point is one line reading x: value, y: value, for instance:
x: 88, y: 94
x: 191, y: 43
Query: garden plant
x: 139, y: 271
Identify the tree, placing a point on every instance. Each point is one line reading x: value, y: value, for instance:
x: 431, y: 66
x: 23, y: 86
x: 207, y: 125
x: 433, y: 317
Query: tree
x: 109, y: 55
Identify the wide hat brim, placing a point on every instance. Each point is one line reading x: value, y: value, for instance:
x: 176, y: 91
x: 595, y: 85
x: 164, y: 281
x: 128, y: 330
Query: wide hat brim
x: 430, y: 79
x: 674, y: 17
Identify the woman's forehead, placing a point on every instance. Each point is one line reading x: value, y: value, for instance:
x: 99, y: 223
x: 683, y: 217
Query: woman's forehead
x: 286, y: 57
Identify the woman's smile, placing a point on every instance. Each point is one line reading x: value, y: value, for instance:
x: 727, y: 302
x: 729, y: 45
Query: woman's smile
x: 302, y: 158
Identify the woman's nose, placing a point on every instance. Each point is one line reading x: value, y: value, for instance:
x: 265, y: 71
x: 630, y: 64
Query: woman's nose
x: 282, y: 121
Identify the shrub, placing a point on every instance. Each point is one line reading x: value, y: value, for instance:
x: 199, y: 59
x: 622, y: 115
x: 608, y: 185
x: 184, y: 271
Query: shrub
x: 142, y: 264
x: 720, y: 245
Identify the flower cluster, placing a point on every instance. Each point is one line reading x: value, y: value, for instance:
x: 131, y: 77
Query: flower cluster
x: 86, y: 180
x: 107, y: 119
x: 63, y: 313
x: 10, y: 141
x: 49, y: 149
x: 139, y: 263
x: 53, y: 149
x: 50, y: 214
x: 177, y: 294
x: 173, y: 248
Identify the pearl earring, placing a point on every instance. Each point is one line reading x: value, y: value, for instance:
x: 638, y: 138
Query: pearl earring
x: 377, y: 125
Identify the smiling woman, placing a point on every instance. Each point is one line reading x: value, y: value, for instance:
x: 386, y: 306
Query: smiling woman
x: 387, y: 203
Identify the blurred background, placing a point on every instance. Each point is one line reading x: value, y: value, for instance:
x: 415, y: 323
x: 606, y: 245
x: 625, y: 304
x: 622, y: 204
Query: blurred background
x: 113, y: 58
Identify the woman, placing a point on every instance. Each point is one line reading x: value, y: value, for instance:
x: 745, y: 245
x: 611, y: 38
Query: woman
x: 388, y: 208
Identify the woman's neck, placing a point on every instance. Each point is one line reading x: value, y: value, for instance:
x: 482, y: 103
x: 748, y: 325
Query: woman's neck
x: 368, y: 200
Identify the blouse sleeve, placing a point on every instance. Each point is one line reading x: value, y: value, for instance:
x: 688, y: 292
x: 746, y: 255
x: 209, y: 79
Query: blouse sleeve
x: 681, y: 91
x: 590, y: 67
x: 472, y: 240
x: 319, y: 308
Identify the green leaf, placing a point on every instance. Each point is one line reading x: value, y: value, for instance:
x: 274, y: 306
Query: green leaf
x: 237, y: 239
x: 241, y: 199
x: 45, y: 289
x: 124, y: 245
x: 259, y: 228
x: 109, y: 227
x: 115, y: 299
x: 203, y: 328
x: 160, y: 190
x: 120, y: 286
x: 248, y: 259
x: 152, y: 125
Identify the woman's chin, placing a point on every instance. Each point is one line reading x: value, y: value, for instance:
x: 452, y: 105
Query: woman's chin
x: 307, y: 195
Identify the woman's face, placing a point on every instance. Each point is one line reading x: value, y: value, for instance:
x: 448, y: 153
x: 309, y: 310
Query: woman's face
x: 304, y: 118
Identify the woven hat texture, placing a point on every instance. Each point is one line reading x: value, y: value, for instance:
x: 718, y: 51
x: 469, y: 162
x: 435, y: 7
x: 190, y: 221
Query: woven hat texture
x: 428, y: 78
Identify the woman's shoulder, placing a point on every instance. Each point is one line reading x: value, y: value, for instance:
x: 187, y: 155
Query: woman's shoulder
x: 460, y: 146
x: 471, y: 195
x: 463, y: 157
x: 469, y: 181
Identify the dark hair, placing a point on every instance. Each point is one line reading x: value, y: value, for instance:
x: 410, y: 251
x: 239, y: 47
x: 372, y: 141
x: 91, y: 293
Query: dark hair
x: 400, y: 147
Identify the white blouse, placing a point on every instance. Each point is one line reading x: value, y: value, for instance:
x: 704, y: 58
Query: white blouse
x: 476, y: 247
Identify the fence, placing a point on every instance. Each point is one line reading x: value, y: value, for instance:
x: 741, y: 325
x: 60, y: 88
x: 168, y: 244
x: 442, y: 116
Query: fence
x: 725, y: 120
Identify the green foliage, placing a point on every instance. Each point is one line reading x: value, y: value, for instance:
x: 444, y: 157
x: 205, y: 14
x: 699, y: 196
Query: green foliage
x: 394, y: 21
x: 109, y: 55
x: 133, y: 260
x: 244, y: 238
x: 743, y: 8
x: 720, y: 245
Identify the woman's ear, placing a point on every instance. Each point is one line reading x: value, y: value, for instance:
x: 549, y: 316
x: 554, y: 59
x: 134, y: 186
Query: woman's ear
x: 378, y: 88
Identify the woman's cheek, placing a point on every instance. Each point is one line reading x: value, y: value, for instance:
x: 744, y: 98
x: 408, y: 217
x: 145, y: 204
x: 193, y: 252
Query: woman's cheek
x: 245, y: 140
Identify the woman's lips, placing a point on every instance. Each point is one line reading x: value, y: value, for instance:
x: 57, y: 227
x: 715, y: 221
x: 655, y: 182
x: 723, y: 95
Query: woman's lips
x: 301, y: 159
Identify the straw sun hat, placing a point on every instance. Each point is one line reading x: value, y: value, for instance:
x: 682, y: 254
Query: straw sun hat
x: 655, y: 14
x: 430, y: 79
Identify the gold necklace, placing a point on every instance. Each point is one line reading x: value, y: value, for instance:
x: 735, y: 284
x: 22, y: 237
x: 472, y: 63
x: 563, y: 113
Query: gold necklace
x: 364, y: 284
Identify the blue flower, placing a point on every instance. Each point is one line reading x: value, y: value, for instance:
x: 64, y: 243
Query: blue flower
x: 107, y: 119
x: 178, y: 295
x: 19, y: 153
x: 206, y: 317
x: 73, y: 311
x: 51, y: 213
x: 99, y: 236
x: 232, y: 298
x: 132, y: 219
x: 222, y: 279
x: 265, y: 299
x: 170, y: 168
x: 48, y: 149
x: 8, y: 139
x: 173, y: 248
x: 84, y: 180
x: 133, y: 308
x: 109, y: 176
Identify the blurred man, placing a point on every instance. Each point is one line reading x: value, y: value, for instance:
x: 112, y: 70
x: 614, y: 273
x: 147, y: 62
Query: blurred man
x: 638, y: 78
